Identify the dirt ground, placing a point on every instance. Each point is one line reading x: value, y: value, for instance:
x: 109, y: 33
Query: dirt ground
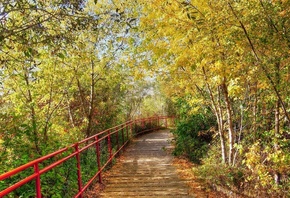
x: 184, y: 169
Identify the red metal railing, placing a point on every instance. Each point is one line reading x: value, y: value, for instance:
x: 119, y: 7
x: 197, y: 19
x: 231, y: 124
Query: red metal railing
x: 118, y: 135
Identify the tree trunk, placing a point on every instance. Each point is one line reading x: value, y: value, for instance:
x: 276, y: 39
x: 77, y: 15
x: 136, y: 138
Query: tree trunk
x: 92, y: 100
x: 230, y: 122
x: 221, y: 126
x: 264, y: 68
x: 218, y: 113
x: 277, y: 175
x: 32, y: 114
x: 70, y: 115
x: 255, y: 110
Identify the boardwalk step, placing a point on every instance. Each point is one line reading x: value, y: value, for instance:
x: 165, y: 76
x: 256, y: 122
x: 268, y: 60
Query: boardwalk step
x: 145, y: 193
x: 154, y: 189
x: 139, y: 184
x: 146, y: 170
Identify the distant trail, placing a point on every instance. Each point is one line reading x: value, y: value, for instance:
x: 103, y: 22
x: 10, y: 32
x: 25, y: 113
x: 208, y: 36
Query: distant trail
x: 146, y: 170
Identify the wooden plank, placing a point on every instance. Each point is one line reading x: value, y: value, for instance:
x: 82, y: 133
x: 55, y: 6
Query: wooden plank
x: 146, y: 170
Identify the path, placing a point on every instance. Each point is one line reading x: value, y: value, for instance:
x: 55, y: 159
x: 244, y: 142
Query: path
x: 146, y: 170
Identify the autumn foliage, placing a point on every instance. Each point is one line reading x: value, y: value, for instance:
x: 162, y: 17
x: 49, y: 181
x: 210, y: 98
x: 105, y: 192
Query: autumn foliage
x: 232, y: 58
x: 72, y: 68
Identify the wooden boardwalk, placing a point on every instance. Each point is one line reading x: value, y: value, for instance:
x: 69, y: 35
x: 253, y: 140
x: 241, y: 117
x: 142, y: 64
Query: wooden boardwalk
x: 146, y: 170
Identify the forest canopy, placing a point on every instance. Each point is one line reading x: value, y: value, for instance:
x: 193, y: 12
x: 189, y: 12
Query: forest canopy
x: 227, y: 60
x: 65, y: 74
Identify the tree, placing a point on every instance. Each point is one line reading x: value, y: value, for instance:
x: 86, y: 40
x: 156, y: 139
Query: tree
x: 61, y: 72
x: 228, y: 56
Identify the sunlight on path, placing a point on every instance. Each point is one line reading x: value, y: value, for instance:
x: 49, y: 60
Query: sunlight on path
x: 146, y: 170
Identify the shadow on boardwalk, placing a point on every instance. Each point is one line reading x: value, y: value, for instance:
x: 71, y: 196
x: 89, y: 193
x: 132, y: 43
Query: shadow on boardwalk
x: 146, y: 170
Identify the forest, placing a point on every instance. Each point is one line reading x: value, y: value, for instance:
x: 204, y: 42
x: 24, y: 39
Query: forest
x: 71, y: 68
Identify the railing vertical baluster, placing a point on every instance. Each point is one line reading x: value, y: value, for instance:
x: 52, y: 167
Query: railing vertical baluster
x: 98, y: 158
x: 37, y: 181
x: 123, y: 139
x: 78, y: 168
x: 127, y: 131
x: 165, y: 123
x: 109, y: 146
x: 134, y: 132
x: 149, y: 124
x: 158, y: 122
x: 132, y: 128
x: 117, y: 138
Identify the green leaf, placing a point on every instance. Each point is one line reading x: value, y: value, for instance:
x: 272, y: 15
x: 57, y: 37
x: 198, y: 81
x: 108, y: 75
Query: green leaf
x: 61, y: 55
x: 1, y: 38
x: 28, y: 52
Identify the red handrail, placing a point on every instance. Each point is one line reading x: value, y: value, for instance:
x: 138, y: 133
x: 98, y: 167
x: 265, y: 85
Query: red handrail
x: 126, y: 129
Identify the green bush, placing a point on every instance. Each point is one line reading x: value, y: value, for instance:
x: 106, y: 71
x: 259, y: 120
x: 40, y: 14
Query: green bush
x: 192, y: 136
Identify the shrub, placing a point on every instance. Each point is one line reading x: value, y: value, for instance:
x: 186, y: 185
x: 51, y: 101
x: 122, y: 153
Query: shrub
x: 192, y: 136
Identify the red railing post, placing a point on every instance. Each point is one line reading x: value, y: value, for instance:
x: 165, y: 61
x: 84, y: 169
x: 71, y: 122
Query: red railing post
x: 123, y: 139
x: 156, y: 122
x: 37, y: 181
x: 78, y: 167
x: 117, y: 138
x: 127, y: 131
x: 165, y: 122
x: 109, y: 145
x: 133, y: 127
x: 98, y: 158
